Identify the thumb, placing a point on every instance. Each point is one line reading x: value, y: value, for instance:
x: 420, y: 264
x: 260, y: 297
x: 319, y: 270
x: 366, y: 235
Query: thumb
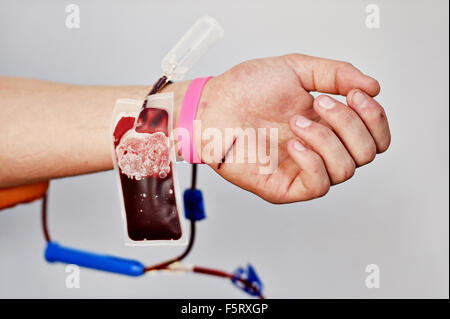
x: 330, y: 76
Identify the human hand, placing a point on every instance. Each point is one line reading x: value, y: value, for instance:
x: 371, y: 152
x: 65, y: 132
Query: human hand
x: 320, y: 141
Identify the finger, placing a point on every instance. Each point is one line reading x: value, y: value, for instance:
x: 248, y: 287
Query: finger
x: 312, y: 181
x: 373, y: 116
x: 330, y: 76
x: 349, y: 127
x: 338, y: 162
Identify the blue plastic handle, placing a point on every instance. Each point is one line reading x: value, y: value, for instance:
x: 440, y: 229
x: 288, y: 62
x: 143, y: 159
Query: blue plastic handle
x: 57, y: 253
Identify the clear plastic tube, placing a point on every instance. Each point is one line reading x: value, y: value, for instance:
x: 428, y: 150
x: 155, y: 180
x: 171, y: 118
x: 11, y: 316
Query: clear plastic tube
x: 199, y: 38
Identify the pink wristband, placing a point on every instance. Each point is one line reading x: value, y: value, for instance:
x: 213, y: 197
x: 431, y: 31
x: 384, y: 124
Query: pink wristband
x: 188, y: 113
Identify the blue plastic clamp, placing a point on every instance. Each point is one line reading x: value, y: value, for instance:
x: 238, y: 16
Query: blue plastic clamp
x: 250, y: 275
x: 57, y: 253
x: 193, y: 204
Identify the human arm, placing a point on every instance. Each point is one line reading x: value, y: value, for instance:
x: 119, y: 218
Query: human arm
x: 64, y: 129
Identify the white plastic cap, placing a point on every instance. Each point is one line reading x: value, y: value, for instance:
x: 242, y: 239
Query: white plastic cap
x: 200, y: 37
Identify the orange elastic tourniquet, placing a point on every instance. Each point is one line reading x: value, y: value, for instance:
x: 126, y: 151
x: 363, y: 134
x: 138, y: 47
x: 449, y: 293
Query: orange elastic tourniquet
x: 10, y: 197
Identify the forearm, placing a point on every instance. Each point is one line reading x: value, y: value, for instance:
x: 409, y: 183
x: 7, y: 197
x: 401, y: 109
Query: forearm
x: 52, y: 130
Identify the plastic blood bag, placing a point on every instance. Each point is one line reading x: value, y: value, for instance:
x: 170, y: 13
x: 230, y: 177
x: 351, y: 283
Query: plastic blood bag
x: 142, y: 153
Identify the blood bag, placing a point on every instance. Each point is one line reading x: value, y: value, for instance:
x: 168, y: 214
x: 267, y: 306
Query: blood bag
x: 144, y: 162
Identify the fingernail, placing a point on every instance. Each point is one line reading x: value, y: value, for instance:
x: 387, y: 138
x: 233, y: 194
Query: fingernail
x: 359, y: 99
x: 299, y: 146
x: 302, y: 122
x: 326, y: 102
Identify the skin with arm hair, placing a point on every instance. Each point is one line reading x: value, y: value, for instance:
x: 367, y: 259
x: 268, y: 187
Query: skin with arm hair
x: 53, y: 130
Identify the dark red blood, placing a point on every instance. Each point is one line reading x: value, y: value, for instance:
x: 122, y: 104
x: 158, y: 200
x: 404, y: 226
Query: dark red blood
x: 124, y: 124
x: 153, y: 120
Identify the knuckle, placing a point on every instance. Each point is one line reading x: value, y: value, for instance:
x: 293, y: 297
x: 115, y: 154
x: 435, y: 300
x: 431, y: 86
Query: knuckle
x: 275, y: 200
x: 325, y: 134
x: 321, y: 183
x: 384, y: 145
x: 322, y: 188
x: 316, y: 165
x: 376, y: 115
x: 346, y: 65
x: 344, y: 172
x: 367, y: 155
x: 292, y: 56
x: 378, y: 120
x: 346, y: 118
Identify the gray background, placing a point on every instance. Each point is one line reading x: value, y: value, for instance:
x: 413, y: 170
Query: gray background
x: 393, y: 213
